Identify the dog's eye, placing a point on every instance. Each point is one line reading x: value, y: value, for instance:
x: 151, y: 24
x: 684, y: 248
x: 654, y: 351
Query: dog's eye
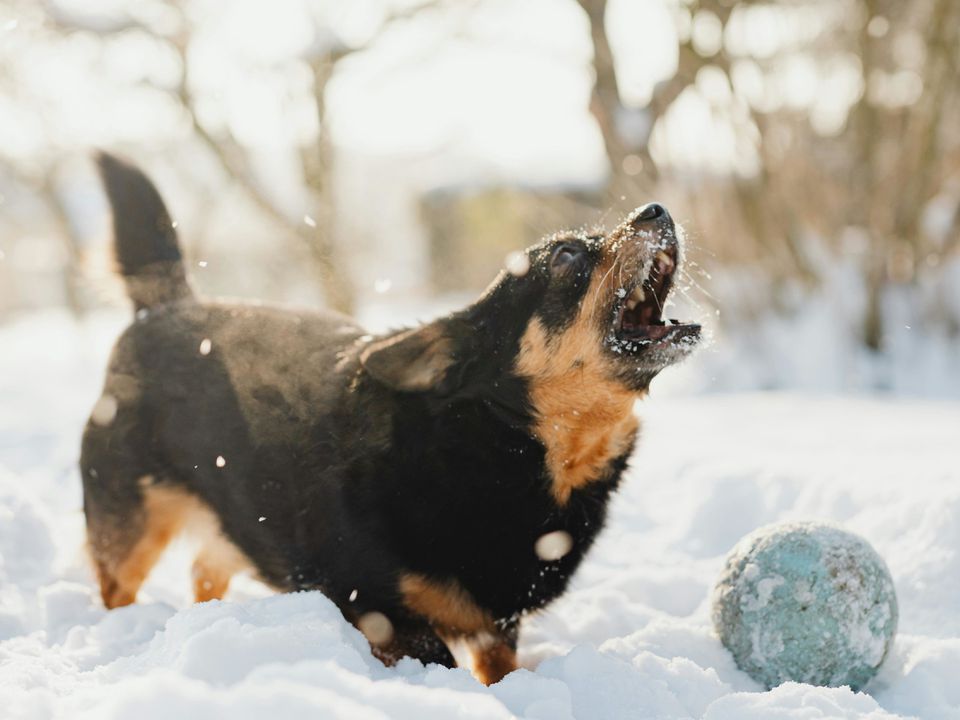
x: 565, y: 256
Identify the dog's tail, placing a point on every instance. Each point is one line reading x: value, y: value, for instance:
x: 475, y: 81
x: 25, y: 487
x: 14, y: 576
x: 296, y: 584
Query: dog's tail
x: 145, y: 239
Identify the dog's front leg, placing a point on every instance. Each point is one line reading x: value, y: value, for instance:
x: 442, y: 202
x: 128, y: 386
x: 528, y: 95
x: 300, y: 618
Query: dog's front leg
x: 494, y: 654
x: 414, y: 638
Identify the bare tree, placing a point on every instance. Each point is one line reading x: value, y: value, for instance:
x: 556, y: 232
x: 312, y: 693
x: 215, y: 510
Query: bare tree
x: 316, y: 159
x: 878, y: 173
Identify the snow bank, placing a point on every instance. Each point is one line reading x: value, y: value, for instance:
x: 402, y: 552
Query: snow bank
x: 631, y: 639
x: 782, y: 335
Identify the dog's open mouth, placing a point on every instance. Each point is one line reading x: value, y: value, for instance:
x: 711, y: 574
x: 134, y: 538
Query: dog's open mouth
x: 639, y: 316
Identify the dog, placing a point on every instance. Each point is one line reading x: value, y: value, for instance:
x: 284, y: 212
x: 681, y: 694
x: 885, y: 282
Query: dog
x: 437, y: 483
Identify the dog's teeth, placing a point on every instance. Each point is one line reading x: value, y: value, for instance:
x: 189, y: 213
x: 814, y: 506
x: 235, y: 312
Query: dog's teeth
x: 636, y: 297
x: 665, y: 261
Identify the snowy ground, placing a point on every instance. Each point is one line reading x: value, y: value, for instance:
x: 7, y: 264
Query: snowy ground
x: 630, y: 640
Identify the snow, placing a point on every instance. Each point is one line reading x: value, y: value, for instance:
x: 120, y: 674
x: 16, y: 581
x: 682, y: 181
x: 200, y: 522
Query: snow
x: 517, y: 263
x: 632, y: 638
x: 810, y: 339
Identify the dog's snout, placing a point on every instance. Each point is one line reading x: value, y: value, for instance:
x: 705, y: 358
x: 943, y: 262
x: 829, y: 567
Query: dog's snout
x: 651, y: 212
x: 650, y: 218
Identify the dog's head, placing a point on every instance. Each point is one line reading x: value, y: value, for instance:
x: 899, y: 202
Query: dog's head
x: 578, y: 313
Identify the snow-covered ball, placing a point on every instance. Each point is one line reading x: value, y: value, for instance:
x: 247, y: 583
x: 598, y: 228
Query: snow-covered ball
x: 807, y: 602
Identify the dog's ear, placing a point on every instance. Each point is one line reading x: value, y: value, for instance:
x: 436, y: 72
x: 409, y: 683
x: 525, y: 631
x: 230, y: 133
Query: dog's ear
x: 415, y: 360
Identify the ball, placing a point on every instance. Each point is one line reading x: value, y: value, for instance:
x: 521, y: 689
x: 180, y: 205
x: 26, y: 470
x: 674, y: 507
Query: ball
x: 807, y: 602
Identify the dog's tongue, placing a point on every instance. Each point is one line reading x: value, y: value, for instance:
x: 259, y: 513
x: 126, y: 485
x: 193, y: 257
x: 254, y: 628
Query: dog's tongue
x: 656, y: 332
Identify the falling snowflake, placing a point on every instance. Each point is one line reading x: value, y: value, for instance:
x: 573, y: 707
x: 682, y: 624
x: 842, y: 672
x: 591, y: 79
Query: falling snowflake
x: 518, y: 264
x: 553, y: 545
x: 104, y: 411
x: 376, y: 627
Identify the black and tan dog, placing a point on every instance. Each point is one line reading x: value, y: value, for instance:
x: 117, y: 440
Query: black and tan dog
x: 435, y: 483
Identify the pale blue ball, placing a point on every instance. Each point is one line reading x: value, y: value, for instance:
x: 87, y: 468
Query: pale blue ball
x: 807, y: 602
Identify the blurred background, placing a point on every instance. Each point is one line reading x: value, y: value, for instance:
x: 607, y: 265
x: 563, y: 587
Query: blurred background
x: 383, y: 158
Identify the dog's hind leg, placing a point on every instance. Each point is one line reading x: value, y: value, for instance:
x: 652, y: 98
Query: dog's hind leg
x: 130, y: 517
x: 218, y: 560
x: 126, y: 545
x: 210, y: 579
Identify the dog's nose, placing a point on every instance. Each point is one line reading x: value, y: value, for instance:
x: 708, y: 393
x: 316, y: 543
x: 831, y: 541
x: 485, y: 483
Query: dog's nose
x: 652, y: 217
x: 652, y: 211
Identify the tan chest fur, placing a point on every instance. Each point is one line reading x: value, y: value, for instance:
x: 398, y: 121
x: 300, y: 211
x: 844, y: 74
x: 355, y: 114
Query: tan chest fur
x: 583, y: 418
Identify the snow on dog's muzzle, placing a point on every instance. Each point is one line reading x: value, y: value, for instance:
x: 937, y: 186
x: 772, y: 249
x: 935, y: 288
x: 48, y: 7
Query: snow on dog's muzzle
x: 649, y: 256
